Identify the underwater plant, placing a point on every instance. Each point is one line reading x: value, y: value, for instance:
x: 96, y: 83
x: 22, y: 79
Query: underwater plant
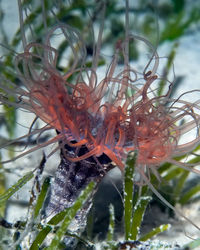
x: 98, y: 120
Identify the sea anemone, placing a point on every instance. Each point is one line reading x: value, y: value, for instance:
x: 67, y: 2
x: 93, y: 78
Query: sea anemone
x: 99, y: 121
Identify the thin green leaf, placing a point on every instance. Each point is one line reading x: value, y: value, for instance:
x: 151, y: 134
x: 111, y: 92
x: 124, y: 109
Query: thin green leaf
x: 175, y: 171
x: 167, y: 166
x: 57, y: 218
x: 47, y: 229
x: 187, y: 196
x: 10, y: 117
x: 2, y: 190
x: 21, y: 182
x: 138, y: 216
x: 40, y: 237
x: 180, y: 183
x: 110, y: 234
x: 128, y: 192
x: 90, y: 223
x: 178, y: 5
x: 41, y: 196
x: 177, y: 25
x: 170, y: 61
x: 71, y: 212
x: 154, y: 232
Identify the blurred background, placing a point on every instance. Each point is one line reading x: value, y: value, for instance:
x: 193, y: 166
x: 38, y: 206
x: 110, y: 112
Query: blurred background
x: 172, y: 26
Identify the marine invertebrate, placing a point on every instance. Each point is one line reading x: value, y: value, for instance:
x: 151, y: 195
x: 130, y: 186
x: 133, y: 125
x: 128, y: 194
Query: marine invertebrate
x: 99, y: 121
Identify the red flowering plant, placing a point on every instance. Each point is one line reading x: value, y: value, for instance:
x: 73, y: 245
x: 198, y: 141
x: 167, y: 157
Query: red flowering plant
x: 99, y: 121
